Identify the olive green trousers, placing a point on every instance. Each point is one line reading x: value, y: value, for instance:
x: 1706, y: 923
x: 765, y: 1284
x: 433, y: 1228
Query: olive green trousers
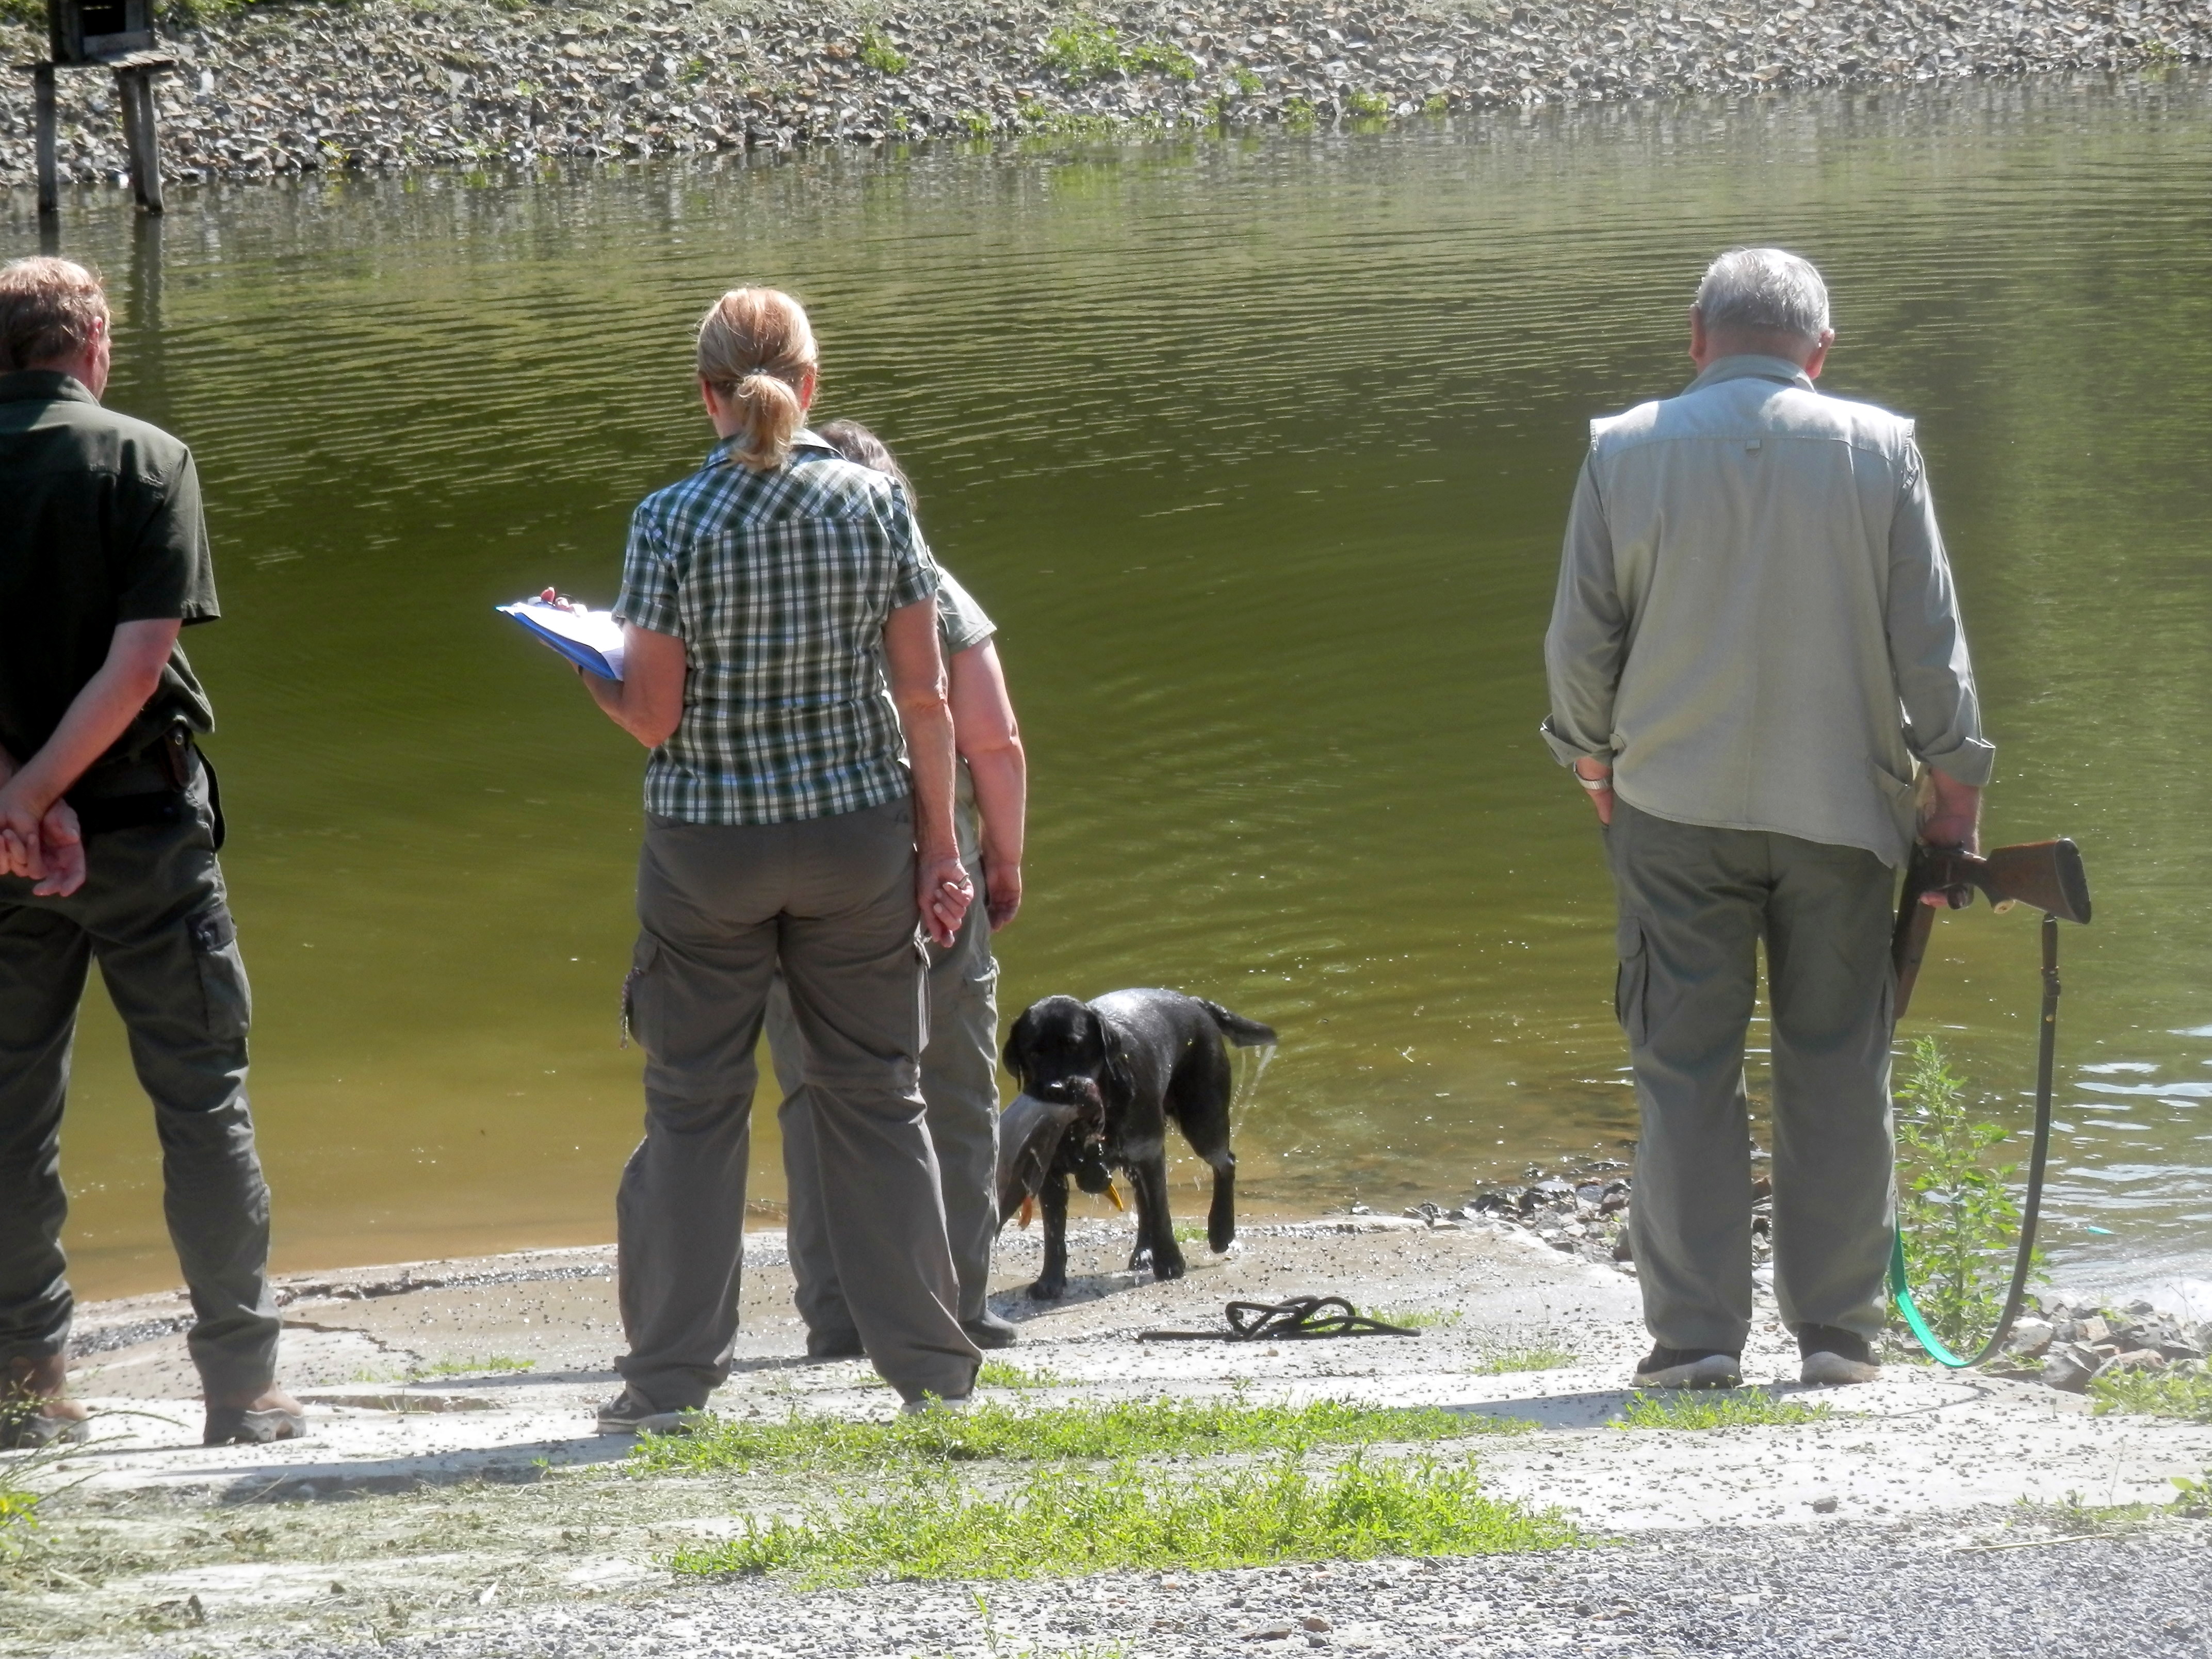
x: 1695, y: 905
x: 154, y: 914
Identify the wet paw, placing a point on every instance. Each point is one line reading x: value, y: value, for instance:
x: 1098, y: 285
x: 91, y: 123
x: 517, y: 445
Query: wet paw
x: 1048, y: 1290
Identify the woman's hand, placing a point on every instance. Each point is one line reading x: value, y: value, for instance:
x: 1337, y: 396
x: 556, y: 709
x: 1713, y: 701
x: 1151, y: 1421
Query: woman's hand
x: 942, y: 893
x: 1002, y: 888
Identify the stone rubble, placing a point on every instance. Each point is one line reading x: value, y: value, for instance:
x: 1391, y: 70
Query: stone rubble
x: 261, y: 92
x: 2067, y: 1342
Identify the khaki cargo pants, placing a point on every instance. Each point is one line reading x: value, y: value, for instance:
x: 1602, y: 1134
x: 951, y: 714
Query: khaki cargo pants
x: 1696, y: 905
x: 960, y: 1086
x: 720, y: 906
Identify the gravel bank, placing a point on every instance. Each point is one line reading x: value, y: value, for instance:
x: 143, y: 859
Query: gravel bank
x: 1878, y: 1592
x: 278, y: 89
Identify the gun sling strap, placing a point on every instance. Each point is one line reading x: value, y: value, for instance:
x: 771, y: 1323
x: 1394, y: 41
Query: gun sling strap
x: 2065, y: 894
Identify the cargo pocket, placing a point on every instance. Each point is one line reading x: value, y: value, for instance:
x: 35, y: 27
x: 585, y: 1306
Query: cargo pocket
x: 637, y: 999
x: 226, y: 1002
x: 1631, y: 980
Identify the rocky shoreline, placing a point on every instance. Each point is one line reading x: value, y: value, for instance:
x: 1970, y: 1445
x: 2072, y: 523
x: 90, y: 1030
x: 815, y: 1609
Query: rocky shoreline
x: 274, y: 89
x: 2063, y: 1341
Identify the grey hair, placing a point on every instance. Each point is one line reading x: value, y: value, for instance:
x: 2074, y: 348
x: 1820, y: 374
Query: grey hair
x: 1764, y: 290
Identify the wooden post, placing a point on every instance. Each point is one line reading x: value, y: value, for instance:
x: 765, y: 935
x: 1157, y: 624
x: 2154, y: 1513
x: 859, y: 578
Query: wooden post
x: 49, y: 182
x: 134, y: 91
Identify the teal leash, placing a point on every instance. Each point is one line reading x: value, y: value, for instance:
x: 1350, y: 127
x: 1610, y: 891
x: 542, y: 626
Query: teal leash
x: 2030, y: 1211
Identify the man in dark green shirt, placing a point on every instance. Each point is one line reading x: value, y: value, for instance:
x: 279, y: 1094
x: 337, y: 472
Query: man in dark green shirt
x: 109, y: 826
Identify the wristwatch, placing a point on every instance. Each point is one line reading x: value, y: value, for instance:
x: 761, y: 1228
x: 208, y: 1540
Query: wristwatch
x: 1595, y: 786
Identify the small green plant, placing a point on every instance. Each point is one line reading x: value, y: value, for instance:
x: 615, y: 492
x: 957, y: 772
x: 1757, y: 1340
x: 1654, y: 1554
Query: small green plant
x: 878, y: 52
x: 1067, y: 1521
x: 1959, y: 1217
x: 2196, y: 1498
x: 976, y: 123
x: 1092, y: 1432
x: 2185, y: 1394
x: 1083, y: 51
x: 695, y: 69
x: 1436, y: 104
x: 1244, y: 82
x: 1368, y: 104
x: 1716, y: 1408
x: 1299, y: 114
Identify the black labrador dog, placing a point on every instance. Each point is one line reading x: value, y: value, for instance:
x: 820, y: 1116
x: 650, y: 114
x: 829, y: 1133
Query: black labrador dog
x: 1099, y: 1082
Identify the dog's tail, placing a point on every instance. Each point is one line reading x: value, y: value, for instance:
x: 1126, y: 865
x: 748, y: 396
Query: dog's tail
x: 1242, y: 1032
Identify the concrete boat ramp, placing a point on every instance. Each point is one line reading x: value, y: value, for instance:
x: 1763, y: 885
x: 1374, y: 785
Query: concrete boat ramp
x: 436, y: 1387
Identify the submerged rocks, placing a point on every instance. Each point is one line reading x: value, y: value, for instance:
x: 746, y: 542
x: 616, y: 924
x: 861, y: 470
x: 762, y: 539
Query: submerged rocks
x: 388, y: 84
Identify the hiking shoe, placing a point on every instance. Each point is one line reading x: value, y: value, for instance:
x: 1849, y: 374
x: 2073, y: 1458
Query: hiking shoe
x: 630, y: 1413
x: 1689, y: 1368
x: 987, y: 1330
x: 835, y: 1345
x: 23, y: 1429
x: 274, y: 1416
x: 930, y: 1402
x: 34, y: 1410
x: 1834, y: 1357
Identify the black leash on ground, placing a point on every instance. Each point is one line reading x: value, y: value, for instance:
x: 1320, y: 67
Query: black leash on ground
x: 1300, y: 1317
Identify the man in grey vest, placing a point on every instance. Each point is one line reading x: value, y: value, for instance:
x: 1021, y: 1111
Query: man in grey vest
x: 1755, y: 639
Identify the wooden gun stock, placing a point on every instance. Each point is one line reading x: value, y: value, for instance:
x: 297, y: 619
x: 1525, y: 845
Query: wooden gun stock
x: 2046, y: 874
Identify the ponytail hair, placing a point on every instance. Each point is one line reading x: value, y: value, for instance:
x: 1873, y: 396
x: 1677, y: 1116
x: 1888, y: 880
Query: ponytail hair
x: 755, y: 349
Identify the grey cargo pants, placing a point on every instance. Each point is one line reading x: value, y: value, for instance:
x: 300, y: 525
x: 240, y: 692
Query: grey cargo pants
x: 1695, y: 905
x: 960, y: 1086
x: 154, y: 913
x: 719, y: 905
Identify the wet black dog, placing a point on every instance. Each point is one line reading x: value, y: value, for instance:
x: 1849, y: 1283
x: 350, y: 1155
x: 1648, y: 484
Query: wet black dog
x: 1099, y: 1082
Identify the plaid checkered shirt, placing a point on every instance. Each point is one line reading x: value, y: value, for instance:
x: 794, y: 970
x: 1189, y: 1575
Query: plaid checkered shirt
x: 779, y: 584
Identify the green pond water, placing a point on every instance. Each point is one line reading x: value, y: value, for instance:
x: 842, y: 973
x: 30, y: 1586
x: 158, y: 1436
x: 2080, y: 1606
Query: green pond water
x: 1259, y: 451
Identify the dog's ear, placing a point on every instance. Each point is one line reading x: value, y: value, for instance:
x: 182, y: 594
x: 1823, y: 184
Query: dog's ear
x: 1121, y: 1078
x: 1018, y: 1047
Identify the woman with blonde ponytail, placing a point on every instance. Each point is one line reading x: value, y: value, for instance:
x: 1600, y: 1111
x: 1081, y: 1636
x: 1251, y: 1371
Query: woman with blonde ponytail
x: 782, y: 663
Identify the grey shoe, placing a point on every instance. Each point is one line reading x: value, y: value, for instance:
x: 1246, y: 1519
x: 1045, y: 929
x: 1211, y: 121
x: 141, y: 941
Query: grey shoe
x: 1833, y: 1358
x: 27, y: 1431
x: 929, y: 1403
x: 241, y: 1426
x: 630, y: 1413
x: 1689, y: 1368
x: 987, y: 1330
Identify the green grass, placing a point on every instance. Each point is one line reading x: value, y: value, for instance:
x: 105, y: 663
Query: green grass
x: 2155, y: 1393
x: 1368, y: 104
x: 999, y: 1374
x: 2196, y: 1498
x: 1416, y: 1319
x: 1544, y: 1357
x: 1061, y: 1521
x: 1716, y: 1408
x: 473, y: 1366
x: 1099, y: 1433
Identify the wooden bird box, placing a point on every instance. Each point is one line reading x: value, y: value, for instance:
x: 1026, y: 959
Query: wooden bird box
x: 96, y: 31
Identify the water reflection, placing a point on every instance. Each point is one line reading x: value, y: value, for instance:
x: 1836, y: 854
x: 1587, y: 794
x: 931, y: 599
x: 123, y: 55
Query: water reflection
x: 1259, y: 452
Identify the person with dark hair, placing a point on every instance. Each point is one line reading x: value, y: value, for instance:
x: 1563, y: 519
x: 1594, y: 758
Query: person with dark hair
x: 960, y: 1066
x: 1755, y: 645
x: 109, y: 828
x: 780, y: 661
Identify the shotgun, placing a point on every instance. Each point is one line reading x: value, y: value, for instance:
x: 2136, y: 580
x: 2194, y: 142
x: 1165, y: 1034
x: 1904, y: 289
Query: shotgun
x: 2046, y: 874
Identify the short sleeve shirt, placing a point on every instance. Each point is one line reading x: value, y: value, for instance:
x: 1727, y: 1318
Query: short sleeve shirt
x: 778, y: 583
x: 961, y: 624
x: 100, y: 525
